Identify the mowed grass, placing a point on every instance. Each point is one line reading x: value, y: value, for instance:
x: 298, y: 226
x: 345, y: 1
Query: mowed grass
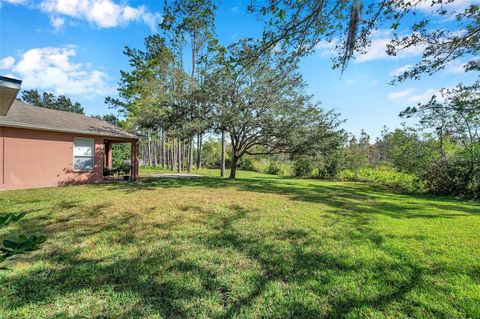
x: 258, y: 247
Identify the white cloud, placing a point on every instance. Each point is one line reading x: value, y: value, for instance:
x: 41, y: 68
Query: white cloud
x: 400, y: 94
x: 16, y: 1
x: 7, y: 62
x: 57, y: 22
x: 152, y: 20
x: 410, y: 95
x: 364, y: 80
x: 455, y: 67
x: 325, y: 48
x: 400, y: 70
x: 52, y: 69
x: 100, y: 13
x: 426, y: 5
x: 376, y: 51
x: 423, y: 97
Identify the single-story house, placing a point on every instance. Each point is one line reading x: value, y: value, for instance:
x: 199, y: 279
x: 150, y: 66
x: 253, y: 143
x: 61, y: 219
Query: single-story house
x: 44, y: 147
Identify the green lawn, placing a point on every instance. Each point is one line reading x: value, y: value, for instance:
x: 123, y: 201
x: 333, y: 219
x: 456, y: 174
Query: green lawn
x: 261, y: 246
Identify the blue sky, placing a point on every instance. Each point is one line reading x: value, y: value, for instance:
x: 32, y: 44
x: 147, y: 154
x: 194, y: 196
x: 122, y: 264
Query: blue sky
x: 74, y: 47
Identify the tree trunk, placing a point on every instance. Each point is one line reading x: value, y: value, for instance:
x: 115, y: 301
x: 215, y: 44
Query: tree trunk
x: 174, y: 159
x: 149, y: 151
x: 170, y: 154
x: 233, y: 167
x: 194, y: 62
x: 222, y: 167
x: 199, y: 151
x: 179, y: 155
x: 167, y: 156
x: 155, y: 152
x: 163, y: 149
x: 190, y: 155
x: 184, y: 154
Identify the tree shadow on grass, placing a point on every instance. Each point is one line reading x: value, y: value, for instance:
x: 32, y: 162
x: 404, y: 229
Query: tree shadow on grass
x: 396, y: 275
x: 365, y: 198
x: 290, y: 272
x: 175, y: 281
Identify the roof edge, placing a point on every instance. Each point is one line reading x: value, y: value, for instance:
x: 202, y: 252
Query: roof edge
x: 10, y: 80
x: 42, y: 128
x: 9, y: 89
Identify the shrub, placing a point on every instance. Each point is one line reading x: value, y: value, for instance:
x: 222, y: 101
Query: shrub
x: 386, y: 176
x: 260, y: 165
x: 453, y: 176
x: 277, y: 168
x: 273, y: 168
x: 320, y: 167
x: 303, y: 167
x: 124, y: 168
x: 266, y: 166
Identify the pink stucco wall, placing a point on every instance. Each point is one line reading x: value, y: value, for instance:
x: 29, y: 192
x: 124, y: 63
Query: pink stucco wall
x: 32, y: 158
x: 1, y: 157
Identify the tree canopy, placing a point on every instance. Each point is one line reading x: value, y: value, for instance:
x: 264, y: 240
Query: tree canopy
x: 297, y: 27
x: 264, y: 108
x: 50, y: 101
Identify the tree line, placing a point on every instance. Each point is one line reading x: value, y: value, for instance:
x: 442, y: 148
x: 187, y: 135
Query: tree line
x: 259, y: 104
x: 249, y: 99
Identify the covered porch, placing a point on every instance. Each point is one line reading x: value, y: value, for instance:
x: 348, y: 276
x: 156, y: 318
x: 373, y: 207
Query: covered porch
x: 120, y: 168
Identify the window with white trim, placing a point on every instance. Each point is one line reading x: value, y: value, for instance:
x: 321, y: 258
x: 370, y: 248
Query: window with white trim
x: 83, y: 150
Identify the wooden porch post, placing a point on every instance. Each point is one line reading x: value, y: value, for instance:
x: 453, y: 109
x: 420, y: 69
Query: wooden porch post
x: 134, y: 160
x: 137, y: 151
x: 109, y: 155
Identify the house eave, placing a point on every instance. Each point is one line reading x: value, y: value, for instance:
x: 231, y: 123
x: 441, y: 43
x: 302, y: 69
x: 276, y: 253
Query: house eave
x: 9, y: 89
x: 41, y: 128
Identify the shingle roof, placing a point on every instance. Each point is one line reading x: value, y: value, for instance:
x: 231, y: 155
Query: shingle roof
x: 33, y: 117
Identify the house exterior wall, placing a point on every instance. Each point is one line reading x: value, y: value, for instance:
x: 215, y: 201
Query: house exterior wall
x: 1, y: 157
x: 33, y: 158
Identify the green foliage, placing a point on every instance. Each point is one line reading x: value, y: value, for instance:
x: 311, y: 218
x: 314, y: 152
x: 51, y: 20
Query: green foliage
x: 303, y: 167
x: 120, y: 154
x: 324, y: 165
x: 386, y: 176
x: 278, y: 168
x: 328, y: 167
x: 50, y: 101
x: 266, y: 165
x: 9, y: 218
x: 18, y: 244
x: 212, y: 153
x: 147, y: 93
x: 407, y: 151
x: 124, y: 168
x: 356, y: 154
x: 110, y: 119
x: 455, y: 119
x: 264, y: 107
x: 21, y: 244
x: 157, y: 93
x: 444, y: 163
x: 452, y: 175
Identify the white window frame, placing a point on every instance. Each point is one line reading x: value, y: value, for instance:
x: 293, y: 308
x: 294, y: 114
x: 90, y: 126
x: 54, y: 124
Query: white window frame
x: 92, y: 141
